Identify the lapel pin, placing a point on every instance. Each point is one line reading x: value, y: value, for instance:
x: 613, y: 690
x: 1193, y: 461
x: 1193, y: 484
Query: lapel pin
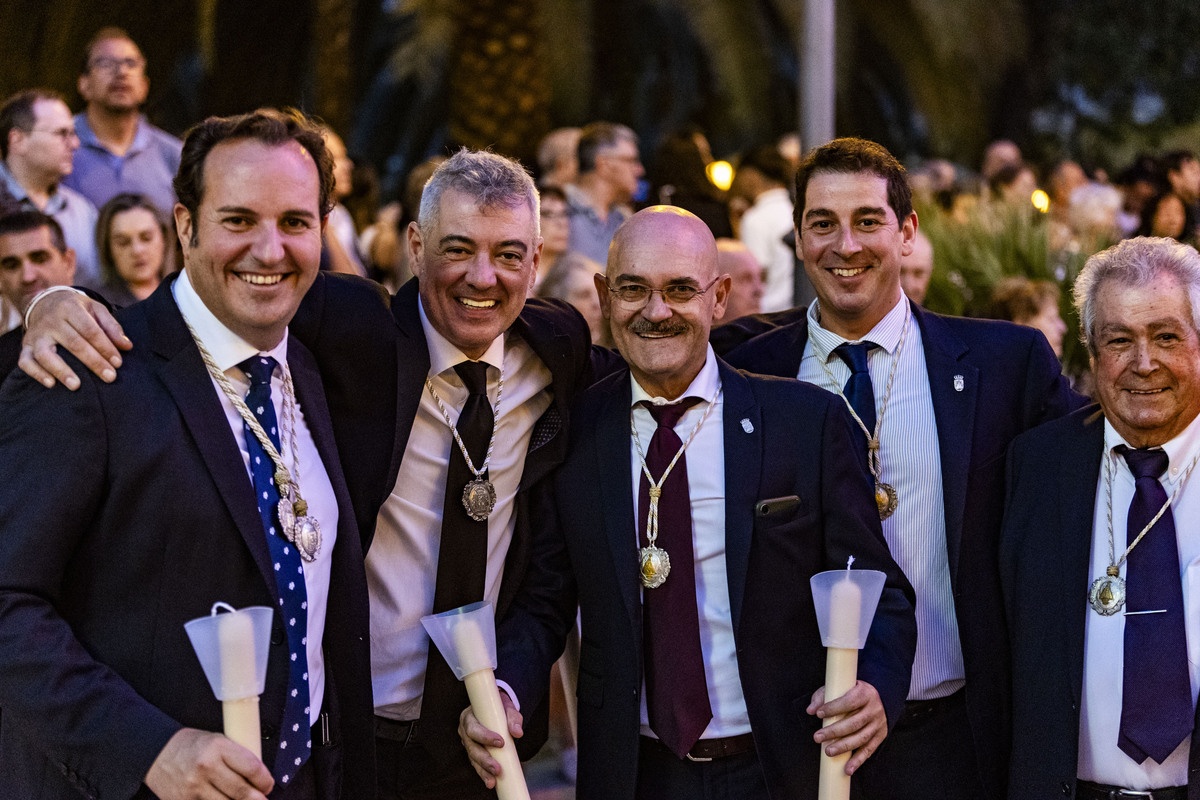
x: 958, y: 383
x: 747, y: 425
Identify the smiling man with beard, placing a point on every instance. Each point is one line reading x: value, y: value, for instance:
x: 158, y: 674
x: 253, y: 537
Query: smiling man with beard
x: 700, y: 653
x: 938, y: 399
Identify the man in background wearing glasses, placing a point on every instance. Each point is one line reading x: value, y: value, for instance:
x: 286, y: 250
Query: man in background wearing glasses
x: 119, y: 150
x: 701, y: 677
x: 37, y: 145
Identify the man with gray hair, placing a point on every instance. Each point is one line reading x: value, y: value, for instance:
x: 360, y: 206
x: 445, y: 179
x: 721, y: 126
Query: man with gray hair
x: 609, y: 171
x: 1100, y: 552
x: 449, y: 403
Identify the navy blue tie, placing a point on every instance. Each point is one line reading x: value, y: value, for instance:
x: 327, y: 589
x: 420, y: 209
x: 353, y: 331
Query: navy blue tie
x: 1156, y: 707
x: 858, y: 389
x: 295, y: 738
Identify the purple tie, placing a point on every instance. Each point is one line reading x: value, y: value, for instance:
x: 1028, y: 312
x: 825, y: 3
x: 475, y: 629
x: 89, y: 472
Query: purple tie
x: 1156, y: 708
x: 676, y: 691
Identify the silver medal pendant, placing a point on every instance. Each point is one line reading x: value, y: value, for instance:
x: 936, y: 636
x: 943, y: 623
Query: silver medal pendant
x: 479, y: 498
x: 287, y: 516
x: 885, y: 499
x: 306, y: 535
x: 1107, y: 595
x: 655, y: 566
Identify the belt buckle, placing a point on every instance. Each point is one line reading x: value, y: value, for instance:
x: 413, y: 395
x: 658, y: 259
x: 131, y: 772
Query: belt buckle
x: 691, y: 757
x: 1120, y: 794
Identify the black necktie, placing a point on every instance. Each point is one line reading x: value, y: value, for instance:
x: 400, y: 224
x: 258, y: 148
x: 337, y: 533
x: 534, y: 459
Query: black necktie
x: 676, y: 690
x: 1156, y: 707
x: 462, y: 557
x: 858, y: 388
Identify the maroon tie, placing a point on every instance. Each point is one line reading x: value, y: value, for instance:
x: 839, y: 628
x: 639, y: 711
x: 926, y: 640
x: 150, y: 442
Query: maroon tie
x: 676, y: 691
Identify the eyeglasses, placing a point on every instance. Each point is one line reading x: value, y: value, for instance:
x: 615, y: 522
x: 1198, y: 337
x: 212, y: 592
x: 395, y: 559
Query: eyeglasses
x: 109, y: 64
x: 635, y: 295
x: 555, y: 214
x: 66, y: 134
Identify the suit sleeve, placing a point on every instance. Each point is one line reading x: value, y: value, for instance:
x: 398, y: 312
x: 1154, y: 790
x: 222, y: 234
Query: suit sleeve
x: 852, y: 529
x: 1048, y: 393
x: 90, y: 724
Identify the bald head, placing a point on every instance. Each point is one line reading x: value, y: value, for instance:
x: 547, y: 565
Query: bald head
x: 661, y: 294
x: 745, y: 295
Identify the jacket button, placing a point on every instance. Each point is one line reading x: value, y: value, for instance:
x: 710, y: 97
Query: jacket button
x: 1066, y: 789
x: 268, y: 732
x: 277, y: 636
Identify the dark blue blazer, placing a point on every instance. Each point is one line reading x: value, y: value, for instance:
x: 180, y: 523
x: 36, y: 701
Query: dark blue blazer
x: 782, y: 439
x: 1011, y: 381
x: 373, y: 358
x: 126, y: 512
x: 1045, y: 554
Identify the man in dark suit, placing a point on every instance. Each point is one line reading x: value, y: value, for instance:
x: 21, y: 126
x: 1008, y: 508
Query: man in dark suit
x: 1099, y: 594
x: 938, y: 400
x: 390, y: 366
x: 33, y: 257
x: 771, y: 491
x: 131, y: 507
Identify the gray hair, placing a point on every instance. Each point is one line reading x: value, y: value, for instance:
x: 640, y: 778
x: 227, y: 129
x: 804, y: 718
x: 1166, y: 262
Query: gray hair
x: 597, y: 138
x: 493, y: 180
x: 1135, y: 263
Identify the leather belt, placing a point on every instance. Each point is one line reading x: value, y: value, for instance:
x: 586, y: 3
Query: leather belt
x: 709, y: 749
x: 1086, y: 790
x: 917, y: 711
x: 394, y: 730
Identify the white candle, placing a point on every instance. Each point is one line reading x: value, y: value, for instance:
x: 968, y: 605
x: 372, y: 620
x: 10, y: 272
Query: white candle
x: 485, y: 702
x: 235, y: 639
x: 841, y: 673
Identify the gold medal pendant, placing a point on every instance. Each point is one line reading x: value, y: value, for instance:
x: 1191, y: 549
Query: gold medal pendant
x: 885, y: 499
x: 479, y: 498
x: 655, y: 566
x: 1107, y: 595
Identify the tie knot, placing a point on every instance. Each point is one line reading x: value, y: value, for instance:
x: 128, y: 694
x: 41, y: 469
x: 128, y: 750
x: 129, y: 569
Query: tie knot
x: 259, y: 369
x: 473, y: 375
x: 668, y: 415
x: 1145, y: 463
x: 855, y: 355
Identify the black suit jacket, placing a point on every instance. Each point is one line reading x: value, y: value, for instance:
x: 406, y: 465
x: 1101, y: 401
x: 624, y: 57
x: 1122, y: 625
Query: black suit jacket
x: 126, y: 512
x: 10, y: 351
x: 1044, y: 560
x: 781, y: 438
x: 374, y: 359
x: 1011, y: 382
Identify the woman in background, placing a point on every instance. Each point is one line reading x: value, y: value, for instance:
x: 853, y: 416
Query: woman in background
x: 132, y: 241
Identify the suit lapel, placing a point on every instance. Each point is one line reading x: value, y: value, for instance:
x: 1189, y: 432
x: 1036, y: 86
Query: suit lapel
x: 412, y: 367
x: 547, y: 445
x: 743, y: 463
x: 183, y: 373
x: 954, y: 412
x: 1078, y: 467
x: 613, y: 466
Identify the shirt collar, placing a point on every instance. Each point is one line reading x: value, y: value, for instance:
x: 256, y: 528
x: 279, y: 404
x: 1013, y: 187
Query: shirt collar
x: 1180, y: 450
x: 886, y: 333
x: 57, y: 200
x: 444, y: 355
x: 704, y: 385
x: 88, y: 137
x: 226, y: 347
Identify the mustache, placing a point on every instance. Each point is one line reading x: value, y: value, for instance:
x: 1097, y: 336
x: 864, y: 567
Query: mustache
x: 665, y: 328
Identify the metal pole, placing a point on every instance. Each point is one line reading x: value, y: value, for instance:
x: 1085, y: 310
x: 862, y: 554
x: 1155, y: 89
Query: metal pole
x: 817, y: 79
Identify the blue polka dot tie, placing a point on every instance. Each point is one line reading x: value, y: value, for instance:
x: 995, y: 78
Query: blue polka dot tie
x: 295, y: 739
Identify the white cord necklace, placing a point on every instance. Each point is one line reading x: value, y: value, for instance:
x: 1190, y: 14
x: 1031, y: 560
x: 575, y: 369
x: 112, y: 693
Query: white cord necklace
x: 479, y: 495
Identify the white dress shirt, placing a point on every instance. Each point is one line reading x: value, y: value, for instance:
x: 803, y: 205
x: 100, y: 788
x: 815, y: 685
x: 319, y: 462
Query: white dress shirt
x: 1100, y: 760
x: 910, y: 462
x: 762, y: 230
x: 706, y: 489
x: 402, y: 561
x: 228, y: 350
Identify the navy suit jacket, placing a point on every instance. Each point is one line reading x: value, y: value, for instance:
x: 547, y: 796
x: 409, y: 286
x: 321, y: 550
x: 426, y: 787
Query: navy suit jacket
x: 1011, y: 381
x: 10, y: 351
x: 797, y: 443
x: 374, y: 359
x: 126, y: 512
x: 1045, y: 556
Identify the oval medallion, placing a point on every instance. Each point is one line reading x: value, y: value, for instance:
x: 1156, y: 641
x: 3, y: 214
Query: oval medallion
x: 287, y: 516
x: 1107, y: 595
x: 885, y: 499
x: 307, y: 537
x: 656, y: 566
x: 479, y: 498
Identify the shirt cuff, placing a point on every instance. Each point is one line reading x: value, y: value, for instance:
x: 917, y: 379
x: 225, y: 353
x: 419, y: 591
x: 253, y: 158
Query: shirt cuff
x: 50, y: 290
x: 508, y: 690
